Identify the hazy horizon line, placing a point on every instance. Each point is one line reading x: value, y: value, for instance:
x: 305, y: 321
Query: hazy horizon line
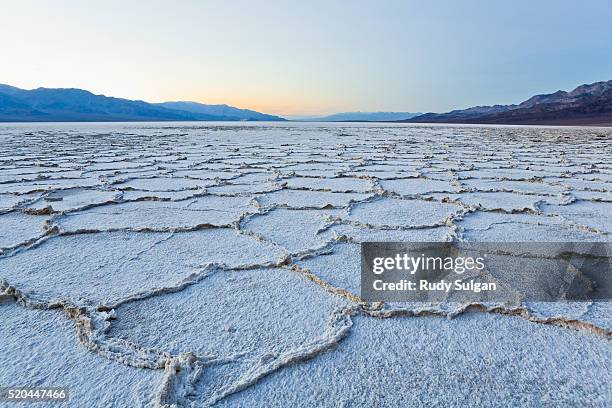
x: 299, y: 116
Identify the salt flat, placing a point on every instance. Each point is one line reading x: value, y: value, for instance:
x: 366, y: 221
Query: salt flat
x: 218, y: 264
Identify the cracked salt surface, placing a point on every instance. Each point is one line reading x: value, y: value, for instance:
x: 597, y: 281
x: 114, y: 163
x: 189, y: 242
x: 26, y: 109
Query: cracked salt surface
x: 105, y: 267
x: 392, y: 213
x: 308, y: 199
x: 17, y: 228
x: 197, y: 265
x: 264, y: 303
x: 298, y: 231
x: 158, y: 215
x: 417, y: 186
x: 39, y: 348
x: 470, y: 361
x: 491, y: 226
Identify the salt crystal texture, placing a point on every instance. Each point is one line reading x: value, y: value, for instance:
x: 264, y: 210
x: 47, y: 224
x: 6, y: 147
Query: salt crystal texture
x: 192, y: 265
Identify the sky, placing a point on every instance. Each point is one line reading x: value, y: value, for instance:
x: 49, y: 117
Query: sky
x: 309, y: 57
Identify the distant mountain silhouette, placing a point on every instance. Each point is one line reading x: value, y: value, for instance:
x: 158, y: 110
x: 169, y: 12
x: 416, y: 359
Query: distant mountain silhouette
x: 225, y: 111
x: 589, y: 104
x: 77, y: 105
x: 364, y: 117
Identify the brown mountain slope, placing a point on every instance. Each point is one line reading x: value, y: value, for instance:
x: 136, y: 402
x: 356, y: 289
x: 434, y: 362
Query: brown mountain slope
x: 586, y: 105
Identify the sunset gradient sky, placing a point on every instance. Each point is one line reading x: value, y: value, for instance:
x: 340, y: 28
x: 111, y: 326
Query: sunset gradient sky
x: 309, y: 57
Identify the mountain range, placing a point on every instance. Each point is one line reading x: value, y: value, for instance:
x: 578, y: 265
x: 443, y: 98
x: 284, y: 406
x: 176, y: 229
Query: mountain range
x: 77, y: 105
x: 589, y: 104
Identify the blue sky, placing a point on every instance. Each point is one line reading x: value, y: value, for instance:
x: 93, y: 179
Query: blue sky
x: 313, y: 57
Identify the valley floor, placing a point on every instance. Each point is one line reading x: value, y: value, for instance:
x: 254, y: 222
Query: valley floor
x: 149, y: 265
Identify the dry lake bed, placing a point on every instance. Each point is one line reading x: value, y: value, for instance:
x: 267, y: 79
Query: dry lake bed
x: 195, y: 264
